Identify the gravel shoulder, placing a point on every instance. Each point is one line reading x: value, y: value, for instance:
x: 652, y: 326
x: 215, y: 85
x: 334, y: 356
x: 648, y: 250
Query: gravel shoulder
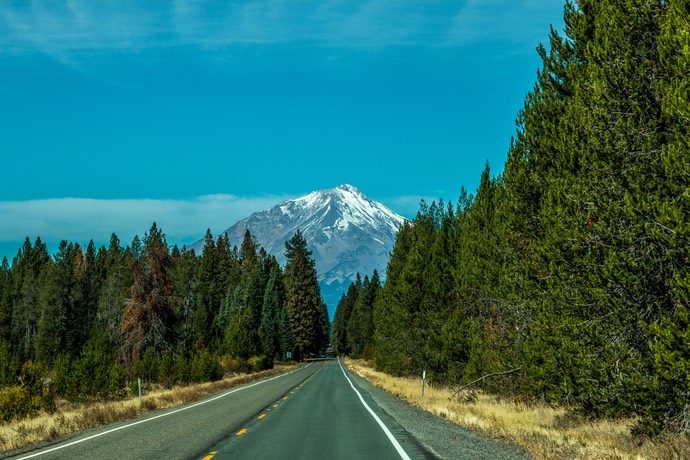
x: 444, y: 439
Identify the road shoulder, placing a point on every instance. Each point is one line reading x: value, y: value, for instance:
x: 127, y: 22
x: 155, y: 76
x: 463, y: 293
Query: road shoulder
x: 444, y: 439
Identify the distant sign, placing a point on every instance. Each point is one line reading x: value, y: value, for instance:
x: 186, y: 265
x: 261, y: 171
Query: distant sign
x: 288, y: 355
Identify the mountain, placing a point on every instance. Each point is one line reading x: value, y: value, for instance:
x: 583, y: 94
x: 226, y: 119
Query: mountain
x: 346, y: 232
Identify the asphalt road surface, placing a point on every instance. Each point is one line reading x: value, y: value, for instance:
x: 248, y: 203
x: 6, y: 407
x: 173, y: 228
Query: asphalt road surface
x: 315, y: 412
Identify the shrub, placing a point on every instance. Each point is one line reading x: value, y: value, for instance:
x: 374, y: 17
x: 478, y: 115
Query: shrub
x: 17, y: 402
x: 255, y: 364
x: 205, y: 367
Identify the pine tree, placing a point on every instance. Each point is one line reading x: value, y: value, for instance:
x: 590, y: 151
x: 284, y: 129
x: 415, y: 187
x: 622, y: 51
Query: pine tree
x: 391, y: 322
x: 274, y: 300
x: 111, y: 298
x: 148, y: 321
x: 341, y: 317
x: 184, y: 266
x: 668, y: 404
x: 360, y: 326
x: 303, y: 297
x: 27, y: 265
x: 208, y: 290
x: 58, y: 328
x: 91, y: 279
x: 5, y: 301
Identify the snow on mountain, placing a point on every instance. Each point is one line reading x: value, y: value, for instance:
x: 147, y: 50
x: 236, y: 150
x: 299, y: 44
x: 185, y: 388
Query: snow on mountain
x: 347, y: 233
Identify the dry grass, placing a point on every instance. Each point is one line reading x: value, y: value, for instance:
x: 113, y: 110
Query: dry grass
x: 545, y: 432
x: 70, y: 418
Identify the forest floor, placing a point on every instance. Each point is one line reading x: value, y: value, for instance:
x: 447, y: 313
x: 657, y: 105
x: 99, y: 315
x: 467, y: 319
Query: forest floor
x: 70, y: 418
x: 545, y: 432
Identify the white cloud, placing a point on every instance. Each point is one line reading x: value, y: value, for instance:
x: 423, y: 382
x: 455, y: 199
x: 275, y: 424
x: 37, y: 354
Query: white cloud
x: 499, y: 20
x: 64, y: 27
x: 81, y: 219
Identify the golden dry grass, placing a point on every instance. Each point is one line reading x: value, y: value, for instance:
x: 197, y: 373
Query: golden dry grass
x: 545, y: 432
x: 70, y: 418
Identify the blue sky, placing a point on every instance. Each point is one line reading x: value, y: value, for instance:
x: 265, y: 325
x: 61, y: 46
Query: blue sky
x: 115, y: 114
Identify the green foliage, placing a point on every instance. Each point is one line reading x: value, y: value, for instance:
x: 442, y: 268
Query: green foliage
x: 17, y: 402
x: 570, y: 269
x: 273, y: 303
x: 205, y: 367
x: 97, y: 320
x: 305, y: 308
x: 27, y: 398
x: 94, y: 375
x: 341, y: 318
x: 360, y: 324
x: 9, y: 365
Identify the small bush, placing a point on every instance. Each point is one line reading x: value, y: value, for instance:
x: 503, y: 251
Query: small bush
x: 241, y: 365
x: 205, y: 367
x: 17, y: 402
x: 255, y: 364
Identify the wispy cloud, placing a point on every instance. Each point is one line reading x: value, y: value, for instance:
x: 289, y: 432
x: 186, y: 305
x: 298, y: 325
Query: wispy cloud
x: 80, y: 220
x: 501, y: 21
x: 184, y: 221
x: 60, y: 27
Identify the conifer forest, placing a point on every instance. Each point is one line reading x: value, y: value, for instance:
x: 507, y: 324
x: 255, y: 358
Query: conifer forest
x: 565, y: 278
x: 84, y: 325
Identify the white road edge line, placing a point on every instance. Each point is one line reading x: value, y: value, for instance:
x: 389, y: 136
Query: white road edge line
x: 385, y: 429
x: 38, y: 454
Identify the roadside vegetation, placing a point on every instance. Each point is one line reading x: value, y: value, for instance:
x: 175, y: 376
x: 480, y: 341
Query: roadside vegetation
x: 72, y: 417
x: 565, y: 280
x: 85, y: 327
x: 546, y: 432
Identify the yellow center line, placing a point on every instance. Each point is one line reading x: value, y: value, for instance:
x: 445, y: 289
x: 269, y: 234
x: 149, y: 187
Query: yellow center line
x: 208, y: 457
x: 262, y: 416
x: 275, y: 405
x: 285, y: 397
x: 241, y: 432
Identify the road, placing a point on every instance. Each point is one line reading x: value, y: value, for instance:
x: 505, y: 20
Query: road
x: 314, y: 412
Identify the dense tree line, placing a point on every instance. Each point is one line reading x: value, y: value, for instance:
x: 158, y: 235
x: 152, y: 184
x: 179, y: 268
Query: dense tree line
x: 85, y: 324
x: 571, y: 268
x: 353, y: 322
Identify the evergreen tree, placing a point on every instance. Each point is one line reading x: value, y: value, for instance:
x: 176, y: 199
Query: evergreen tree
x: 57, y: 326
x: 303, y: 297
x: 5, y: 301
x: 360, y: 325
x: 148, y: 321
x: 111, y: 299
x: 392, y: 323
x: 27, y: 266
x: 91, y: 277
x: 209, y: 290
x: 341, y: 317
x: 241, y: 338
x: 668, y: 404
x: 274, y: 300
x: 184, y: 265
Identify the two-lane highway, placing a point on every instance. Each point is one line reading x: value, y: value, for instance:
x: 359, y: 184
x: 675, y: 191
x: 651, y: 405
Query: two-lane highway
x: 325, y: 417
x: 310, y: 413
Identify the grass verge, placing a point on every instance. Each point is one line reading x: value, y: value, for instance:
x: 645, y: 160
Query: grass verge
x: 545, y: 432
x: 72, y: 418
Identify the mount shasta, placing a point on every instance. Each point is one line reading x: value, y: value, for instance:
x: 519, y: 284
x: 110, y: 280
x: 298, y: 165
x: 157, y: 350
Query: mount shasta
x: 347, y: 233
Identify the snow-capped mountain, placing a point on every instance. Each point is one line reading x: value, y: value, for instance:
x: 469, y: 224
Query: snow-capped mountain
x: 346, y: 232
